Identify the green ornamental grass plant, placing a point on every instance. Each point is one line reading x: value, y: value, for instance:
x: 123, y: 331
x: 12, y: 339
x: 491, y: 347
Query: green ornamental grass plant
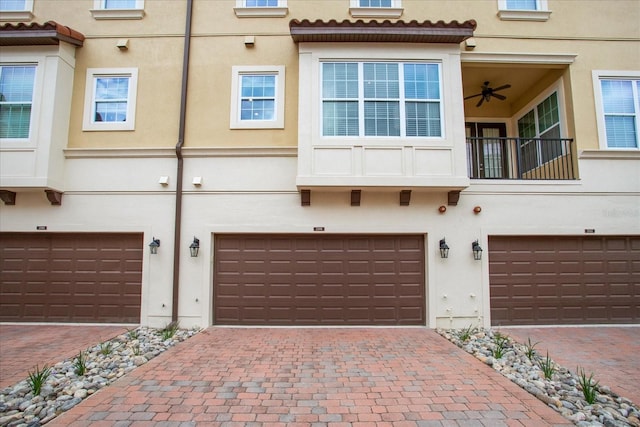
x: 37, y: 378
x: 588, y: 386
x: 530, y: 349
x: 500, y: 341
x: 547, y: 366
x: 80, y: 364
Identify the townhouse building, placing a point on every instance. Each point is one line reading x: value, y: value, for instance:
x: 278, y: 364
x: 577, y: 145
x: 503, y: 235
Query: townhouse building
x: 320, y: 162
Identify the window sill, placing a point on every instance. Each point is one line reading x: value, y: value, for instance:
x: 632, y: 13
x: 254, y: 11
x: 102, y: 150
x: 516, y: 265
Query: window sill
x: 261, y: 12
x: 376, y: 12
x: 524, y: 15
x: 100, y: 14
x: 611, y: 154
x: 16, y: 15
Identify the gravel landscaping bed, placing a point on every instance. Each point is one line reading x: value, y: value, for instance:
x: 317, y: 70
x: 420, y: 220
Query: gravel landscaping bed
x: 563, y: 391
x: 64, y: 387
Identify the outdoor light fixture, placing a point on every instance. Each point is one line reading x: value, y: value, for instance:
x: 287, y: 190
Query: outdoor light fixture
x: 444, y: 249
x: 477, y: 251
x: 154, y: 245
x: 194, y: 247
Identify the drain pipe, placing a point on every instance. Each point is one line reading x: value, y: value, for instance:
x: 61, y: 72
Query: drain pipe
x: 180, y: 169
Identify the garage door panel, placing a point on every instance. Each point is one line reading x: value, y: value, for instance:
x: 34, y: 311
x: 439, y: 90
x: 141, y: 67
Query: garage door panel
x: 584, y: 281
x: 67, y: 277
x: 328, y: 279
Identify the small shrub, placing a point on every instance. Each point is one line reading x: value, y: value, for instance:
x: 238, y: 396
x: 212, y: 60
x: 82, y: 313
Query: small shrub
x: 588, y: 386
x: 37, y: 378
x: 136, y: 350
x: 500, y: 342
x: 466, y: 333
x: 530, y: 349
x: 106, y: 348
x: 169, y: 331
x: 80, y: 364
x: 547, y: 366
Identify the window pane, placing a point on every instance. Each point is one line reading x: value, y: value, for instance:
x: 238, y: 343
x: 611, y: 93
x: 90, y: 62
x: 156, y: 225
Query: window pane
x: 617, y: 96
x: 261, y: 3
x: 421, y: 81
x: 339, y: 80
x: 258, y: 109
x: 119, y: 4
x: 111, y: 112
x: 423, y: 119
x: 621, y: 132
x: 522, y: 4
x: 16, y: 96
x: 548, y: 115
x: 375, y: 3
x: 381, y: 81
x: 112, y: 88
x: 340, y: 118
x: 527, y: 125
x: 10, y: 5
x: 381, y: 118
x: 258, y: 86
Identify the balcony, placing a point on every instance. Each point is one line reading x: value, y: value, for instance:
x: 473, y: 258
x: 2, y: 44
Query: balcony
x: 521, y: 158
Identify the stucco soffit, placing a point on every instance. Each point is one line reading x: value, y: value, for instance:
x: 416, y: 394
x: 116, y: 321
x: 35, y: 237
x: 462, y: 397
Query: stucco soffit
x: 520, y: 57
x: 385, y: 31
x: 49, y: 33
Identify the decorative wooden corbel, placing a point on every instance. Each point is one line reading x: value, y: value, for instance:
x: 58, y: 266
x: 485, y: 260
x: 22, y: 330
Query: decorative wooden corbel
x: 355, y: 197
x: 305, y: 197
x: 55, y: 197
x: 405, y: 197
x: 453, y: 197
x: 8, y: 197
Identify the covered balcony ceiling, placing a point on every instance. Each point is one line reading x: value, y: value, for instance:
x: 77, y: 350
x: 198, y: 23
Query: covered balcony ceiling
x: 526, y: 80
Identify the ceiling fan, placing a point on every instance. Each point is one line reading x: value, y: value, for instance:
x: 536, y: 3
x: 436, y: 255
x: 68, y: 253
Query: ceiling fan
x: 488, y: 92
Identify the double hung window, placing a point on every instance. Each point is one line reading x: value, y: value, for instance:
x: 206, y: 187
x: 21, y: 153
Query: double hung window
x: 110, y: 99
x: 523, y: 10
x: 381, y: 99
x: 16, y: 10
x: 621, y: 112
x: 261, y: 8
x: 118, y: 9
x: 16, y: 100
x: 376, y: 8
x: 257, y: 97
x: 539, y: 131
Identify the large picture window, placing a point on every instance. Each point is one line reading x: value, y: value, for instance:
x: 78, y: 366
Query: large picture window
x: 381, y: 99
x: 16, y: 100
x: 110, y: 99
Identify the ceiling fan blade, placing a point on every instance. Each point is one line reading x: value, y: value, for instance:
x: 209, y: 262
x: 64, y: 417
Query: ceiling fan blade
x: 480, y: 102
x: 500, y: 97
x: 473, y: 96
x: 502, y: 87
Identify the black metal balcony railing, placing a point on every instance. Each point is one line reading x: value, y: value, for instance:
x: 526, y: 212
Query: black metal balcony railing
x: 521, y: 158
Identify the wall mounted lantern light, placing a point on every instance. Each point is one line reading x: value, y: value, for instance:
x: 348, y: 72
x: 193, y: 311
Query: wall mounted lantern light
x: 477, y: 250
x: 194, y: 247
x: 154, y: 245
x: 444, y: 249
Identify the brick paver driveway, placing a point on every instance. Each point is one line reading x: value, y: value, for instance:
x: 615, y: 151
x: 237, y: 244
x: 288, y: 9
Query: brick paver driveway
x: 23, y: 347
x: 313, y: 377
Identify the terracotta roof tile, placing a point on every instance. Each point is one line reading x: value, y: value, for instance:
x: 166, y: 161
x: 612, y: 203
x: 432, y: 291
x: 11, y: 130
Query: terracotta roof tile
x: 49, y: 33
x: 385, y: 31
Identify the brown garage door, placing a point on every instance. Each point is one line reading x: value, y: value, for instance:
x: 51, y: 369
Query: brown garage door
x: 70, y: 277
x: 564, y: 280
x: 311, y: 280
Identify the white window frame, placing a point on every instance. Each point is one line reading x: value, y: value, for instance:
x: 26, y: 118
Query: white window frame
x: 243, y: 11
x: 25, y: 14
x: 597, y: 76
x: 542, y: 12
x: 99, y: 12
x: 89, y: 124
x: 401, y: 100
x: 236, y: 73
x: 357, y: 11
x: 35, y: 96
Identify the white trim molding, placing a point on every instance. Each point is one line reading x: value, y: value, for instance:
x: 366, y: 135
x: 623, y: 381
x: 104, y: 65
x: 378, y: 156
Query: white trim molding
x: 520, y: 58
x: 23, y: 15
x: 247, y: 70
x: 88, y: 123
x: 542, y: 12
x: 597, y: 76
x: 243, y: 11
x: 99, y: 12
